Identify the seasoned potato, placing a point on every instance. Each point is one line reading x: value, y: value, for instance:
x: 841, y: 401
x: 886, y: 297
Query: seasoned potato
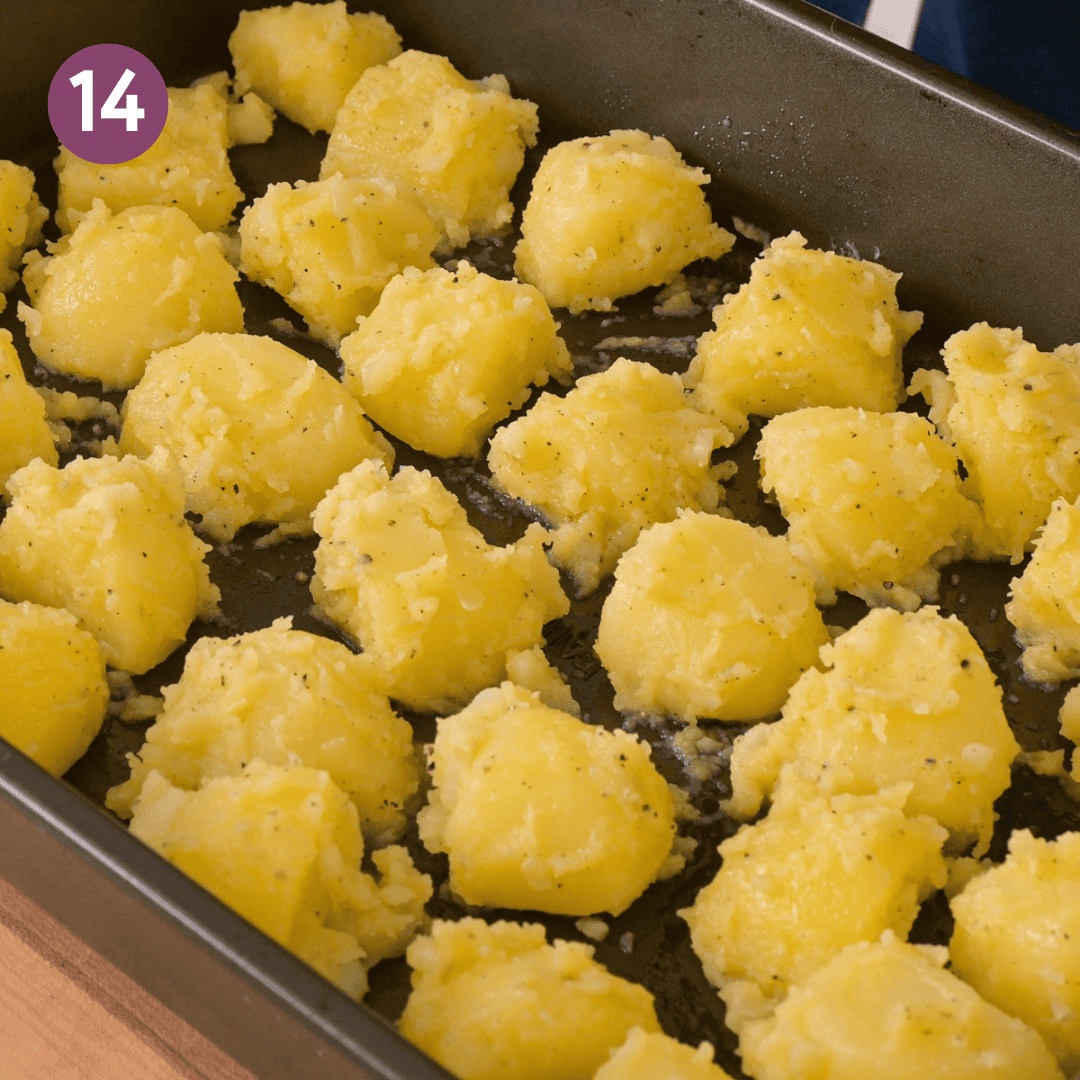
x: 1013, y: 414
x: 21, y: 218
x: 816, y: 874
x: 539, y: 810
x: 1017, y: 938
x: 400, y: 569
x: 106, y: 539
x: 708, y: 617
x: 304, y: 58
x: 24, y: 433
x: 492, y: 1002
x: 890, y: 1010
x: 609, y: 216
x: 121, y: 287
x: 330, y: 247
x: 53, y: 675
x: 259, y: 431
x: 809, y: 328
x: 187, y: 167
x: 903, y: 698
x: 873, y: 501
x: 620, y: 452
x: 652, y: 1055
x: 282, y: 847
x: 445, y: 357
x: 457, y: 144
x: 282, y: 696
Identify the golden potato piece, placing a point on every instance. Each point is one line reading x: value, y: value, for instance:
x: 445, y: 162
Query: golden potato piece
x: 1069, y: 717
x: 24, y: 432
x: 809, y: 328
x: 492, y: 1002
x: 622, y: 451
x: 53, y: 675
x: 611, y: 215
x: 123, y: 286
x: 21, y: 218
x: 445, y: 357
x: 708, y: 617
x: 652, y: 1055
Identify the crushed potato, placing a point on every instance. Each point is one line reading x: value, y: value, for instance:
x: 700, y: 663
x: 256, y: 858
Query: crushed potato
x: 21, y: 218
x: 24, y: 430
x: 651, y: 1055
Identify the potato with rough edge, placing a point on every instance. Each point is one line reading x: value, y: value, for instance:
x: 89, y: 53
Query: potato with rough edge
x: 281, y: 696
x: 458, y: 145
x: 403, y: 573
x: 1069, y: 718
x: 106, y: 538
x: 622, y: 451
x: 1017, y: 938
x: 611, y: 215
x: 330, y: 247
x: 809, y: 328
x: 652, y: 1055
x: 902, y: 698
x: 892, y: 1011
x: 260, y: 432
x: 187, y: 167
x: 21, y: 218
x: 1013, y: 414
x: 708, y: 617
x: 873, y: 501
x: 538, y: 810
x: 304, y: 58
x: 24, y: 430
x: 282, y: 847
x: 490, y: 1002
x: 121, y: 287
x: 444, y: 357
x: 53, y: 675
x: 815, y: 874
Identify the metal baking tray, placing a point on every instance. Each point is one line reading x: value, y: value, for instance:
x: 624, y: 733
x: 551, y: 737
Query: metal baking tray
x: 803, y: 122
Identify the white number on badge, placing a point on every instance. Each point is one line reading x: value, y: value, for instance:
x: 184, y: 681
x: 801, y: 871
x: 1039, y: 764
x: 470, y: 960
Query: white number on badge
x: 111, y: 110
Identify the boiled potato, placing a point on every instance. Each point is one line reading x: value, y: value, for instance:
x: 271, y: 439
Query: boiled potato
x: 21, y: 218
x: 444, y: 357
x: 457, y: 145
x: 891, y: 1010
x: 494, y: 1002
x: 902, y: 698
x: 708, y: 617
x: 531, y: 670
x: 620, y: 452
x: 652, y: 1055
x: 122, y: 286
x: 403, y: 573
x: 873, y: 501
x: 106, y: 539
x: 304, y: 58
x: 539, y: 810
x: 809, y: 328
x: 53, y: 675
x: 260, y: 432
x: 24, y: 432
x: 611, y: 215
x: 1069, y: 716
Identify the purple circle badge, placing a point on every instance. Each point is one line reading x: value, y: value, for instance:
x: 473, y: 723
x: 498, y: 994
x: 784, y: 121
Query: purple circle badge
x: 108, y: 104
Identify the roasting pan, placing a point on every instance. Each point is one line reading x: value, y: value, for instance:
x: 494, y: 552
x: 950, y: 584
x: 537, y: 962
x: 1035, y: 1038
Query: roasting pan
x: 803, y: 122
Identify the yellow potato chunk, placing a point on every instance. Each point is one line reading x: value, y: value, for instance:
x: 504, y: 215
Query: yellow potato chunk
x: 304, y: 58
x: 902, y: 698
x: 53, y: 675
x: 611, y: 215
x: 21, y: 218
x: 492, y: 1002
x: 24, y: 432
x: 622, y: 451
x: 330, y: 247
x: 539, y: 810
x: 1013, y: 414
x: 401, y: 571
x: 873, y: 501
x: 816, y: 874
x: 891, y: 1010
x: 708, y: 617
x: 445, y: 357
x: 652, y: 1055
x: 1017, y: 938
x: 1069, y: 717
x: 106, y: 539
x: 282, y: 847
x: 458, y: 145
x: 260, y: 432
x: 282, y: 696
x: 809, y: 328
x: 122, y: 286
